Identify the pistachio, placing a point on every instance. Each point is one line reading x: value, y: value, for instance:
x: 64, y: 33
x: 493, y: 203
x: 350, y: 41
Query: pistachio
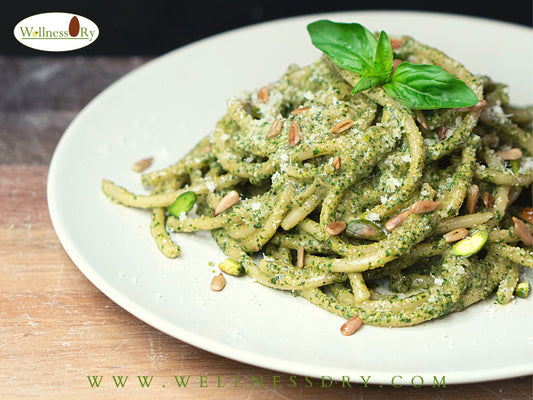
x: 183, y: 204
x: 522, y: 289
x: 471, y: 245
x: 231, y: 267
x: 364, y: 229
x: 515, y: 166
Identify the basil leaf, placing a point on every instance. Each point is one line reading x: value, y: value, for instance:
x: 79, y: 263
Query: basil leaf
x: 383, y: 59
x: 350, y: 46
x: 428, y: 87
x: 366, y: 82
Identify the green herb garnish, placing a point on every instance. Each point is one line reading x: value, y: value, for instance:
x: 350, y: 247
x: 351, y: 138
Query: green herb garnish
x: 418, y: 86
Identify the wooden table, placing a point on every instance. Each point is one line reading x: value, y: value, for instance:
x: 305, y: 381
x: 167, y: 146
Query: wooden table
x: 58, y: 329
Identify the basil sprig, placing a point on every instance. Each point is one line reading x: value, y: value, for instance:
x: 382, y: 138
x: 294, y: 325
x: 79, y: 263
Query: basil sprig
x: 418, y: 86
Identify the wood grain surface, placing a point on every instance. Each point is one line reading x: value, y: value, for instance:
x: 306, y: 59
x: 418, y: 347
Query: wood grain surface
x: 59, y: 332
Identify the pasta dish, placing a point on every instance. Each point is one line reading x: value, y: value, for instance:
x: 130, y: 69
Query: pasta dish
x: 329, y: 184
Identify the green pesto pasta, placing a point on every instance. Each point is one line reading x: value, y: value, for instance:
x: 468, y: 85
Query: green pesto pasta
x: 292, y: 164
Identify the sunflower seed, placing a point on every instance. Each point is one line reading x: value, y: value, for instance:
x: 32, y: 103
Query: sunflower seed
x: 342, y: 126
x: 141, y: 165
x: 336, y: 227
x: 351, y: 326
x: 227, y: 202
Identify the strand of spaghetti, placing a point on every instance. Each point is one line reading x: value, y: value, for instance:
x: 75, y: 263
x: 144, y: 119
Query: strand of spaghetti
x: 300, y: 239
x: 463, y: 221
x: 286, y: 276
x: 507, y: 285
x: 516, y: 254
x: 295, y: 215
x: 201, y: 223
x: 239, y: 232
x: 459, y: 136
x: 341, y: 294
x: 169, y: 185
x: 244, y: 220
x: 249, y: 170
x: 122, y: 196
x: 406, y: 283
x: 231, y: 159
x: 355, y: 203
x: 256, y: 241
x: 503, y: 177
x: 277, y: 254
x: 329, y: 206
x: 505, y: 235
x: 160, y: 235
x: 359, y: 288
x: 501, y: 200
x: 196, y: 176
x: 460, y: 184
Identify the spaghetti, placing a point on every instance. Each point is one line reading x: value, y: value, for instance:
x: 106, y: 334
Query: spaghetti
x: 347, y: 197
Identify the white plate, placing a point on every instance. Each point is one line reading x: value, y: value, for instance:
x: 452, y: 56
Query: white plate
x: 162, y: 109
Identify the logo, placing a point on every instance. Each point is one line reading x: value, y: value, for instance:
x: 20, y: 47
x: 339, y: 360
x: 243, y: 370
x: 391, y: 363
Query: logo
x: 56, y: 31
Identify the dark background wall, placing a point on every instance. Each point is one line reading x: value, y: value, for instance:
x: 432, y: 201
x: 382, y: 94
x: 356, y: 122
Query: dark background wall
x: 154, y: 27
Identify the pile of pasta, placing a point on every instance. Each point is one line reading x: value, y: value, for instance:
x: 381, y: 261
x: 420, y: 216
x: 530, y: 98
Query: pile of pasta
x: 355, y: 202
